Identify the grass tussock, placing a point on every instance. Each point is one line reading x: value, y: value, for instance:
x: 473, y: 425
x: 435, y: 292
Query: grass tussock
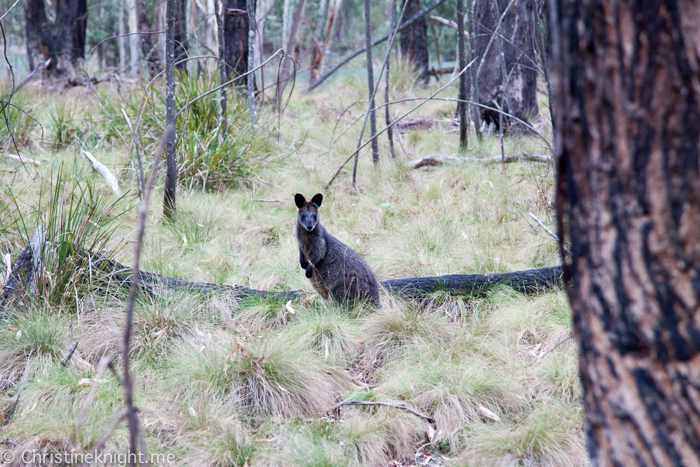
x: 227, y: 382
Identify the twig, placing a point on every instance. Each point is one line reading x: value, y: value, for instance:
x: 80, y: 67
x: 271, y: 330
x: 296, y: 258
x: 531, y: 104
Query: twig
x: 142, y: 186
x: 9, y: 10
x: 280, y: 51
x: 386, y: 404
x: 101, y: 367
x: 70, y: 353
x: 357, y: 52
x: 553, y: 236
x: 21, y: 159
x: 22, y: 384
x: 394, y: 123
x: 104, y: 438
x: 439, y: 159
x: 555, y: 346
x: 133, y: 419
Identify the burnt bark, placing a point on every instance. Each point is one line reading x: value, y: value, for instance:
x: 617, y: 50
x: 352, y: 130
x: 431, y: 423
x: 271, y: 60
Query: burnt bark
x: 414, y: 39
x: 108, y: 271
x: 169, y: 201
x: 62, y: 41
x: 370, y: 85
x: 180, y: 33
x: 236, y: 40
x: 511, y: 86
x: 628, y: 199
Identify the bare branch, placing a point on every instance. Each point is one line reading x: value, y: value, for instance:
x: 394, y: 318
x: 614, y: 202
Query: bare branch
x: 386, y: 404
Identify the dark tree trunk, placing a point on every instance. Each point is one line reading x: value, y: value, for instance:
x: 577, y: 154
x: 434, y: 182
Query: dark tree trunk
x: 169, y: 205
x: 628, y: 199
x: 32, y: 29
x: 236, y: 40
x: 517, y: 93
x: 39, y: 30
x: 180, y: 33
x: 462, y: 94
x: 63, y: 27
x: 370, y: 84
x: 387, y: 82
x: 147, y: 40
x: 79, y: 29
x: 414, y: 40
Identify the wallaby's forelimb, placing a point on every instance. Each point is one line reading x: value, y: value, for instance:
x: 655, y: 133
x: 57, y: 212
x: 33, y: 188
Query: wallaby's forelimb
x: 302, y: 260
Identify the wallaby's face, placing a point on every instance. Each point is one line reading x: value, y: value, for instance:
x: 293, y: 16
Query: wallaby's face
x: 308, y: 211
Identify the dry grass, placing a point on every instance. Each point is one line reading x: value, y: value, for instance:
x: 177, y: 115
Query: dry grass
x: 226, y: 383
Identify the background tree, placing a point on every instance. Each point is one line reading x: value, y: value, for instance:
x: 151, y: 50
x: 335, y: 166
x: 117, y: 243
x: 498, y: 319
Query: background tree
x: 182, y: 45
x: 236, y: 38
x: 628, y: 188
x: 64, y: 40
x: 414, y: 40
x: 506, y: 73
x: 370, y: 84
x: 169, y: 204
x: 462, y: 94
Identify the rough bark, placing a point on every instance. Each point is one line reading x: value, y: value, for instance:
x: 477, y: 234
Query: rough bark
x: 236, y: 39
x: 111, y: 272
x: 180, y: 33
x: 462, y: 94
x: 169, y: 204
x: 370, y: 84
x: 37, y: 36
x: 628, y: 199
x: 414, y: 40
x: 513, y: 85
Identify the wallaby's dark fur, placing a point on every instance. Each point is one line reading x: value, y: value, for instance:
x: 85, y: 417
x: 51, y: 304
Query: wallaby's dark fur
x: 336, y: 271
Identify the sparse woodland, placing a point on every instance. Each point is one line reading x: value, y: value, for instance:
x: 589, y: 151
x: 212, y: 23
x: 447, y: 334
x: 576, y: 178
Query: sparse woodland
x: 522, y: 177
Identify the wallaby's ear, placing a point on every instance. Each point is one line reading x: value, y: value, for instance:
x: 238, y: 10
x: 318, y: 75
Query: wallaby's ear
x: 317, y: 200
x: 299, y: 200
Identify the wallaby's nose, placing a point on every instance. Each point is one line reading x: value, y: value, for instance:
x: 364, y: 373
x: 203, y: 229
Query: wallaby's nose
x: 309, y: 228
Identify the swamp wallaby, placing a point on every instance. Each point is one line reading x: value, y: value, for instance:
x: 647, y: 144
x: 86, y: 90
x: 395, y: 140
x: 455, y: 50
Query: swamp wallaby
x: 336, y: 271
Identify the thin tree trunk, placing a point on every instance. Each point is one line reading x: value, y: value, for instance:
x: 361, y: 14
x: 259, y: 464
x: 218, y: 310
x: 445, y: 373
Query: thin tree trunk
x: 475, y: 111
x: 133, y: 38
x: 250, y: 5
x: 628, y: 199
x: 370, y: 84
x: 222, y: 66
x: 462, y: 94
x: 387, y: 112
x: 121, y: 30
x: 289, y: 31
x: 169, y: 205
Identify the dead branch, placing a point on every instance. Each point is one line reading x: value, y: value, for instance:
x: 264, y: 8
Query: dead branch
x: 357, y: 52
x: 21, y: 159
x: 427, y: 418
x: 101, y: 169
x: 71, y: 351
x: 449, y: 23
x: 32, y: 75
x: 440, y: 159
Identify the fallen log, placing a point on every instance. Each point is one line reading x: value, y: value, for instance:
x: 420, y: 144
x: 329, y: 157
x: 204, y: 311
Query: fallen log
x: 440, y: 159
x: 22, y: 283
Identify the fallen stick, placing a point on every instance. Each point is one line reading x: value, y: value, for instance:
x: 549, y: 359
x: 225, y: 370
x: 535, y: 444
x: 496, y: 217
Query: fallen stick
x: 429, y: 419
x: 21, y: 159
x: 101, y: 169
x: 440, y: 159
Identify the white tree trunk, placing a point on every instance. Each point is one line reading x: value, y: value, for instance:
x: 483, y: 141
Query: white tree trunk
x: 122, y: 40
x: 133, y: 38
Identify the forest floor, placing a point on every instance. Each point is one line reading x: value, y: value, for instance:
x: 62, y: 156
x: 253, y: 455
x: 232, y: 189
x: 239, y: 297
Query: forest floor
x: 254, y: 383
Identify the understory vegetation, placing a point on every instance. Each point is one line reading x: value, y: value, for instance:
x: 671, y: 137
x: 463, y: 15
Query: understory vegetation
x: 227, y: 383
